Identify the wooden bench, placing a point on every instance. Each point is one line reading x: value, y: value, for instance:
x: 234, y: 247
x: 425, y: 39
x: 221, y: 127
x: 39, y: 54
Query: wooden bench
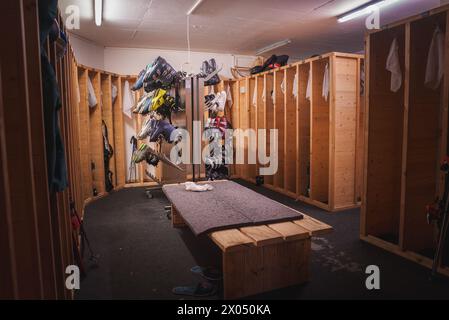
x: 262, y: 258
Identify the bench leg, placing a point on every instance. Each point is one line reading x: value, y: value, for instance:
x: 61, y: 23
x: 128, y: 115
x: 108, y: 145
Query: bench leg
x: 176, y: 219
x: 254, y: 270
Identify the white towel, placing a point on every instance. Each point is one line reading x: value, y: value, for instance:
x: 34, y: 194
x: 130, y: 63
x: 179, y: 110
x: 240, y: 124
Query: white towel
x: 128, y: 100
x: 309, y: 85
x: 92, y: 99
x: 229, y: 96
x: 192, y: 186
x: 394, y: 66
x: 435, y: 61
x: 295, y: 86
x: 325, y: 91
x: 114, y: 92
x: 283, y: 85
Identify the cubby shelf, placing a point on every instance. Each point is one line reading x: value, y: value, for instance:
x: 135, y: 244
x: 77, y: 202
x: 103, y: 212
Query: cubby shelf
x: 318, y: 138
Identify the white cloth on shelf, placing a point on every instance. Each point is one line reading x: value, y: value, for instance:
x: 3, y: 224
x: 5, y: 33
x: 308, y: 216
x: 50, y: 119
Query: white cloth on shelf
x: 91, y: 98
x: 394, y: 66
x: 128, y: 100
x: 309, y: 85
x: 192, y: 186
x: 325, y: 90
x: 229, y: 96
x: 295, y: 86
x: 255, y: 97
x: 435, y: 61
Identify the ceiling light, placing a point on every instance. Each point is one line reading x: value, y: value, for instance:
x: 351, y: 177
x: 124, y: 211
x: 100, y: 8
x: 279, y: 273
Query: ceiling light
x: 197, y: 3
x: 98, y: 12
x: 273, y: 46
x: 365, y: 9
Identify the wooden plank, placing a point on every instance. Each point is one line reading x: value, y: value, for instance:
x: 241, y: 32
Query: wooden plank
x: 304, y: 132
x: 231, y: 240
x: 315, y: 227
x: 96, y: 137
x: 84, y: 129
x: 269, y: 118
x: 406, y: 83
x: 346, y: 84
x: 279, y: 122
x: 290, y: 133
x: 320, y: 136
x: 108, y: 117
x: 37, y: 130
x: 119, y: 135
x: 290, y: 230
x: 262, y: 235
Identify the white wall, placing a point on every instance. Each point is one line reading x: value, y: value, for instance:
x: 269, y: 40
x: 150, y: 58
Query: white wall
x: 132, y: 60
x: 87, y: 52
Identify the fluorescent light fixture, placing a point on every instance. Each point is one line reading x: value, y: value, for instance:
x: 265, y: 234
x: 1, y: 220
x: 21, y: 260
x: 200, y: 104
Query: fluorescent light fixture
x: 273, y: 46
x: 365, y: 9
x: 195, y: 6
x: 98, y: 12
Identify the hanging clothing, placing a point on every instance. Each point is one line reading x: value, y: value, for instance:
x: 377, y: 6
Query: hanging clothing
x: 295, y: 86
x: 114, y: 92
x: 273, y: 96
x: 91, y: 98
x: 309, y: 86
x: 283, y: 85
x: 128, y: 100
x: 263, y: 95
x: 362, y: 81
x: 229, y: 96
x: 56, y: 164
x: 393, y: 65
x: 325, y: 90
x: 255, y: 98
x: 435, y: 61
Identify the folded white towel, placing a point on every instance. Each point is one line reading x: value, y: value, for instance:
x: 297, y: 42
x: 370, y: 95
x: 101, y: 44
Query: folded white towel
x: 192, y: 186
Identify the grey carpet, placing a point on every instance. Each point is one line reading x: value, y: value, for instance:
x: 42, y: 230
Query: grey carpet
x: 142, y: 257
x: 228, y: 205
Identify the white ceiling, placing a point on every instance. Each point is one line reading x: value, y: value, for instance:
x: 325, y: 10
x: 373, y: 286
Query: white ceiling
x: 234, y: 26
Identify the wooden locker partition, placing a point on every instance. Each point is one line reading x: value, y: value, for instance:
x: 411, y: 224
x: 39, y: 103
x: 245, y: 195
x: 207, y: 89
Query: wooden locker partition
x: 303, y: 132
x: 406, y: 138
x: 318, y: 135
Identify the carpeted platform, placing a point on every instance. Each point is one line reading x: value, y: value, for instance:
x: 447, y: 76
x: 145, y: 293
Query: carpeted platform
x: 143, y: 257
x: 228, y: 205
